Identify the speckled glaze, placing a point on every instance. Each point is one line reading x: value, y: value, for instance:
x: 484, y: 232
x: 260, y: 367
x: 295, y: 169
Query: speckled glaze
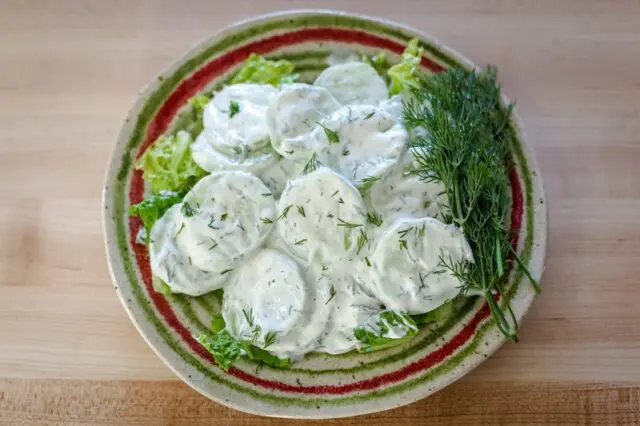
x: 320, y: 386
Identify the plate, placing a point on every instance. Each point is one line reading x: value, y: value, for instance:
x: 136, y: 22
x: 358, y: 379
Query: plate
x: 320, y: 386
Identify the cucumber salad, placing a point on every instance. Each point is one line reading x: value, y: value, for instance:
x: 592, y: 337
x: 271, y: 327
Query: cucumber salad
x: 336, y: 215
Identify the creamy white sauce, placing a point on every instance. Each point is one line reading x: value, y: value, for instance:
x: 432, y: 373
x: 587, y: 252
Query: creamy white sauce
x: 320, y: 216
x: 223, y: 219
x: 293, y: 113
x: 277, y: 176
x: 172, y: 265
x: 272, y: 306
x: 403, y: 193
x: 300, y: 261
x: 407, y: 272
x: 351, y: 306
x: 353, y: 83
x: 235, y: 134
x: 360, y: 142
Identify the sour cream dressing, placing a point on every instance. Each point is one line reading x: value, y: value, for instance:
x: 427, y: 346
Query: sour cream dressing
x: 306, y: 253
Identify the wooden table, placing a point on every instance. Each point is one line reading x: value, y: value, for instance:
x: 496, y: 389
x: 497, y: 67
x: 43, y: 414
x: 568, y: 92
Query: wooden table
x: 70, y: 70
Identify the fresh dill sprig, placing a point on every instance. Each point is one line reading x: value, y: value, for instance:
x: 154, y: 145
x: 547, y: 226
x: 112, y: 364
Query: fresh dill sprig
x: 466, y: 147
x: 312, y: 165
x: 374, y: 219
x: 301, y: 211
x: 266, y: 220
x: 332, y: 293
x: 270, y: 338
x: 346, y: 224
x: 285, y: 212
x: 248, y: 315
x: 187, y: 210
x: 367, y: 182
x: 234, y: 108
x: 332, y: 135
x: 361, y: 241
x: 212, y: 223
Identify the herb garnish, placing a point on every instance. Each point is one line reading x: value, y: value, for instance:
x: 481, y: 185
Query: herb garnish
x: 284, y: 213
x: 248, y: 316
x: 348, y: 224
x: 466, y: 147
x: 270, y: 338
x: 374, y: 219
x: 332, y: 135
x: 312, y: 165
x: 187, y: 210
x: 301, y: 211
x: 362, y: 240
x: 368, y: 182
x: 332, y: 293
x: 266, y: 220
x: 234, y: 108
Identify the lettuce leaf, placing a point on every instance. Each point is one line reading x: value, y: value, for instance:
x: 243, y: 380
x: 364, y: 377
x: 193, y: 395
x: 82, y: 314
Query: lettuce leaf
x: 258, y: 354
x: 438, y: 314
x: 405, y: 75
x: 379, y: 63
x: 392, y: 329
x: 167, y: 165
x: 225, y: 349
x: 152, y: 208
x: 259, y: 70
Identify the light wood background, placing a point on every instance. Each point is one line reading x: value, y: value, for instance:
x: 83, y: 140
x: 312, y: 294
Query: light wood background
x: 69, y: 71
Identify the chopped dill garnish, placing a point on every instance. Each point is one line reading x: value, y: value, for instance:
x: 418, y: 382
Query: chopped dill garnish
x: 284, y: 213
x: 348, y: 224
x: 270, y: 338
x: 332, y: 293
x: 187, y: 210
x: 368, y: 182
x: 332, y: 135
x: 234, y: 108
x: 362, y: 240
x: 312, y: 165
x: 374, y: 219
x: 248, y: 316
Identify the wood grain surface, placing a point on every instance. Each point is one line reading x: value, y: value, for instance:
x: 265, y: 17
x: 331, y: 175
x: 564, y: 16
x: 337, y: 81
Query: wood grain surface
x: 69, y: 71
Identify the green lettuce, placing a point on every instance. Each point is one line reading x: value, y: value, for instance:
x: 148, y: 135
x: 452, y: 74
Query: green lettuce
x: 226, y: 349
x: 257, y: 69
x: 392, y: 329
x: 405, y: 75
x: 167, y: 165
x: 379, y: 63
x: 152, y: 208
x: 438, y: 314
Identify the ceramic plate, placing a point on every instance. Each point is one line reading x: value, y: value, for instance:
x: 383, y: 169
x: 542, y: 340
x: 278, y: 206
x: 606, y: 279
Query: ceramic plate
x: 321, y: 386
